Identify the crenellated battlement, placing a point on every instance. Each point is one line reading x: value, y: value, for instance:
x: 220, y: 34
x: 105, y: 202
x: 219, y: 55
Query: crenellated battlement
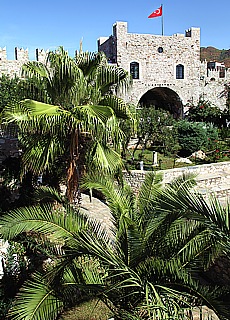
x: 41, y: 55
x: 21, y: 54
x: 13, y: 67
x: 214, y: 71
x: 3, y: 56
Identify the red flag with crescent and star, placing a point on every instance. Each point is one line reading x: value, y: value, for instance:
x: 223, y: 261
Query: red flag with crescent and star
x: 156, y: 13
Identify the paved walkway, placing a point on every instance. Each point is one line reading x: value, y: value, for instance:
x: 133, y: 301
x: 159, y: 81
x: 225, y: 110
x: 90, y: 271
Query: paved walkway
x: 97, y: 209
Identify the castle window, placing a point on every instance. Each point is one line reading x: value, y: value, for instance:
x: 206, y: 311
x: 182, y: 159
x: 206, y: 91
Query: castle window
x: 222, y: 73
x: 180, y: 71
x: 134, y: 70
x: 211, y: 65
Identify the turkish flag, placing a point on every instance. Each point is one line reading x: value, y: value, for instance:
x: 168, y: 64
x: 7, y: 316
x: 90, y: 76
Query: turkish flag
x: 156, y: 13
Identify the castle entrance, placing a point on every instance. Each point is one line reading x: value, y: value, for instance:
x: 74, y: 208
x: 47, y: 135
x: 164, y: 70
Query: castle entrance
x: 163, y: 98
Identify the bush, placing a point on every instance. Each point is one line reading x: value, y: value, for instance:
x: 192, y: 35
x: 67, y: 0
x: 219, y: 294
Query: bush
x: 14, y: 274
x: 204, y: 112
x: 193, y: 136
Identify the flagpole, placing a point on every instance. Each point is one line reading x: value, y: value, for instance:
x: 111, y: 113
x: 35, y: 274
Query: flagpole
x: 162, y: 21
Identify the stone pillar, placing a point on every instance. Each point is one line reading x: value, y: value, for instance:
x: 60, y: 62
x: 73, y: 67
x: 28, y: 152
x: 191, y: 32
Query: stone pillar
x: 155, y: 162
x: 141, y: 165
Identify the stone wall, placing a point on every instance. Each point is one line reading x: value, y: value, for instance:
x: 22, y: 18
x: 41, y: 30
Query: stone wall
x: 213, y: 177
x: 157, y: 70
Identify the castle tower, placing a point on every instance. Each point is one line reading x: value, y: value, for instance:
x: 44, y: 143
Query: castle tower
x: 165, y: 69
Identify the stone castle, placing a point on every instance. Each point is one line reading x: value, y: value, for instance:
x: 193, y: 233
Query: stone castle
x: 166, y: 70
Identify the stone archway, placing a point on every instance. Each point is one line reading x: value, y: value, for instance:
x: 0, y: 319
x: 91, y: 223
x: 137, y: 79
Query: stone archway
x: 163, y: 98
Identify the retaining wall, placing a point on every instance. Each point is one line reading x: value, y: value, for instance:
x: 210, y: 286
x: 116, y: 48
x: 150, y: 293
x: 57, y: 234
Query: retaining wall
x: 214, y: 177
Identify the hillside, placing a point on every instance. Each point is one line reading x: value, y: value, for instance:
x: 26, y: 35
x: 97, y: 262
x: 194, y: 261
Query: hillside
x: 213, y: 54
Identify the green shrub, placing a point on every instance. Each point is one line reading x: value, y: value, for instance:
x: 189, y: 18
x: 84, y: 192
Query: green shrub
x: 11, y: 91
x: 193, y: 136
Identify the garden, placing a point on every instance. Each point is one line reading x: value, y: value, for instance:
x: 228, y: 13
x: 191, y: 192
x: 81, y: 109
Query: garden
x: 161, y: 257
x: 177, y: 142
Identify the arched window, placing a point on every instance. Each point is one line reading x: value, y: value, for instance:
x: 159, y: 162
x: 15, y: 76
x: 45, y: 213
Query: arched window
x: 134, y: 70
x: 180, y: 71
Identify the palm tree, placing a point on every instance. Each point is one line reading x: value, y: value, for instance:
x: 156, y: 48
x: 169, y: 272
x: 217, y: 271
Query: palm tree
x: 151, y: 268
x: 74, y: 112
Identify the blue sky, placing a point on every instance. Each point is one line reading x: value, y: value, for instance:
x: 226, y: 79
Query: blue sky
x: 48, y: 24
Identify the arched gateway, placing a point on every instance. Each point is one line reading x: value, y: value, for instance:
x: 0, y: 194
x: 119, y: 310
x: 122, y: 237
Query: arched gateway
x: 163, y: 98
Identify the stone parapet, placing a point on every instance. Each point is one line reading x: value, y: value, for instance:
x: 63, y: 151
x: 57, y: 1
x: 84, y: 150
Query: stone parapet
x: 214, y: 178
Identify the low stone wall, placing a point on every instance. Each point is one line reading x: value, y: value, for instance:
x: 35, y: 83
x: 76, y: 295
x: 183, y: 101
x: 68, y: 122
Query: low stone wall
x: 214, y: 177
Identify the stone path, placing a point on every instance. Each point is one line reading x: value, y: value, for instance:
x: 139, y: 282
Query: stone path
x: 97, y: 209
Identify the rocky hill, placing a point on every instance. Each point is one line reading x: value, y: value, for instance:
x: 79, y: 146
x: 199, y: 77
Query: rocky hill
x: 213, y: 54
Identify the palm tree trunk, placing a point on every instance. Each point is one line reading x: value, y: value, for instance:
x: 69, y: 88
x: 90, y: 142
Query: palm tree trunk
x: 136, y: 146
x: 72, y: 172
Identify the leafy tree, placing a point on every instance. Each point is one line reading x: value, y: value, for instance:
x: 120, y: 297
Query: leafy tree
x: 205, y: 112
x: 75, y: 112
x: 156, y: 128
x: 129, y: 127
x: 227, y: 90
x: 150, y: 267
x: 10, y: 91
x: 14, y: 190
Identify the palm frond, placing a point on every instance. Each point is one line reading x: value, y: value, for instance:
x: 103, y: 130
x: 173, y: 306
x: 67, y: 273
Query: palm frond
x: 40, y: 154
x: 119, y: 200
x: 58, y: 224
x: 48, y: 193
x: 148, y: 193
x: 95, y: 113
x: 196, y: 207
x: 36, y: 301
x: 37, y: 108
x: 104, y: 158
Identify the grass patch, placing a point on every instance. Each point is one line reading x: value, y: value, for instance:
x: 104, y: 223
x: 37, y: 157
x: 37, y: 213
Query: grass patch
x: 89, y: 310
x: 168, y: 162
x: 165, y: 162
